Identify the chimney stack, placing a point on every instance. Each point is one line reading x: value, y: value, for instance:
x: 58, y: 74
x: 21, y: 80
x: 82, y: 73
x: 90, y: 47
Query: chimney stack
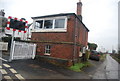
x: 79, y: 9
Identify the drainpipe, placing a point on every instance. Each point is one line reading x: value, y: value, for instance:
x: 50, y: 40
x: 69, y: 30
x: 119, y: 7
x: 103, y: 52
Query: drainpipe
x: 75, y: 36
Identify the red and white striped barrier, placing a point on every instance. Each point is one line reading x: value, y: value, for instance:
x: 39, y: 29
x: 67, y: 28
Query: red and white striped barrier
x: 8, y: 24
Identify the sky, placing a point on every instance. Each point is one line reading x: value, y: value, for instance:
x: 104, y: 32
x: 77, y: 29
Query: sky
x: 99, y: 16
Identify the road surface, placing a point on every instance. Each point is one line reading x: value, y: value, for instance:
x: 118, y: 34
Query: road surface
x: 108, y: 70
x: 34, y: 69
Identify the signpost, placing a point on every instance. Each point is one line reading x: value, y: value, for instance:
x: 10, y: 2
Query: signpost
x: 11, y: 49
x: 15, y: 24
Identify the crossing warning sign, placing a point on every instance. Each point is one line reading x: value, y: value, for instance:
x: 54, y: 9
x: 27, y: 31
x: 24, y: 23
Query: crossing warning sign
x: 17, y: 24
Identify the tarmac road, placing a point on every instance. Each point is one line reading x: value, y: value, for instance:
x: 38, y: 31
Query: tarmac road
x: 34, y: 69
x: 108, y: 70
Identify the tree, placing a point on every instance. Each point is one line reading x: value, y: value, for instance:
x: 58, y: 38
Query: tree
x: 3, y: 23
x: 3, y: 20
x: 113, y: 51
x: 92, y: 46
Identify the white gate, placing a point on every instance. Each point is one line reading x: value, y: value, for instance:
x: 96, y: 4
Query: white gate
x: 22, y: 50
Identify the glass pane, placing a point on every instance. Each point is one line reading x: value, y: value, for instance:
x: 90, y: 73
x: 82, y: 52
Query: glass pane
x: 59, y: 23
x: 48, y: 24
x: 48, y: 47
x: 38, y: 24
x: 48, y: 51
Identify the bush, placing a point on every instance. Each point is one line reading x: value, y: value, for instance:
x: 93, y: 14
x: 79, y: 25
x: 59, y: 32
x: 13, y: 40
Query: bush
x: 79, y: 66
x: 76, y: 67
x: 116, y: 57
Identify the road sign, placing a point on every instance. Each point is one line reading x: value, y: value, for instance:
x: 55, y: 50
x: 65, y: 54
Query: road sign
x: 16, y: 24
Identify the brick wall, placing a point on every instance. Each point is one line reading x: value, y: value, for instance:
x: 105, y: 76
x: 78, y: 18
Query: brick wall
x: 56, y: 36
x: 82, y: 34
x: 64, y: 51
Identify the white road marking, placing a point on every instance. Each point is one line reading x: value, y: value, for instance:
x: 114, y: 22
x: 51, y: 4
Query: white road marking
x: 3, y: 59
x: 7, y: 77
x: 6, y: 65
x: 19, y: 76
x: 13, y: 71
x: 0, y: 67
x: 3, y: 71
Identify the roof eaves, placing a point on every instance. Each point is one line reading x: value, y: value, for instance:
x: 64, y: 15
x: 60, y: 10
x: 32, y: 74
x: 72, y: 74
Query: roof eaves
x: 61, y: 14
x: 82, y: 22
x: 54, y: 15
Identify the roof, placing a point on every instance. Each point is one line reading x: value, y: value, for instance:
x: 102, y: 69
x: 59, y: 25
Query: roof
x: 54, y: 15
x: 61, y: 14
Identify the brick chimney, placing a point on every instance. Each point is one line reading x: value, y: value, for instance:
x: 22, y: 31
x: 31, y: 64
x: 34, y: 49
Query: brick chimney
x: 79, y: 9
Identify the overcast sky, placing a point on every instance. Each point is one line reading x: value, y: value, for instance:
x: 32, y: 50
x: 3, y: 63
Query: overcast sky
x: 100, y: 16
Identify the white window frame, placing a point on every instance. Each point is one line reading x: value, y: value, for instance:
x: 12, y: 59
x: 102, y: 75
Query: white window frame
x: 47, y: 48
x: 37, y: 25
x: 53, y: 29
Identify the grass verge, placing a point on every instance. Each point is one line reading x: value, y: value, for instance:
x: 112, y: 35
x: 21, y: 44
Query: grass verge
x: 79, y: 66
x: 116, y: 57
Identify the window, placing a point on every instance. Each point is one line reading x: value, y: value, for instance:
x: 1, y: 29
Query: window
x: 38, y: 24
x: 59, y: 23
x: 48, y: 24
x: 47, y: 49
x: 55, y: 24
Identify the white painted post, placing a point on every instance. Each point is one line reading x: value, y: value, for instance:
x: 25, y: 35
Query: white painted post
x: 10, y: 58
x: 13, y: 50
x: 34, y: 51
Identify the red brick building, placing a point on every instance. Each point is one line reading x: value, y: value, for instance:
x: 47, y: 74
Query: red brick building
x: 60, y: 35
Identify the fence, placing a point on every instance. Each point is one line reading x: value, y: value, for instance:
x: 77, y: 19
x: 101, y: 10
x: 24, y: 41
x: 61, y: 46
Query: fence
x: 22, y: 50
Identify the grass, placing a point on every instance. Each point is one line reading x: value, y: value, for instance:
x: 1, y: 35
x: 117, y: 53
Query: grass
x: 116, y: 57
x: 79, y: 66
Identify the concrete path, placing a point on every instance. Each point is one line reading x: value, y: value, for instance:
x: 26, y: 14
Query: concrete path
x: 107, y: 70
